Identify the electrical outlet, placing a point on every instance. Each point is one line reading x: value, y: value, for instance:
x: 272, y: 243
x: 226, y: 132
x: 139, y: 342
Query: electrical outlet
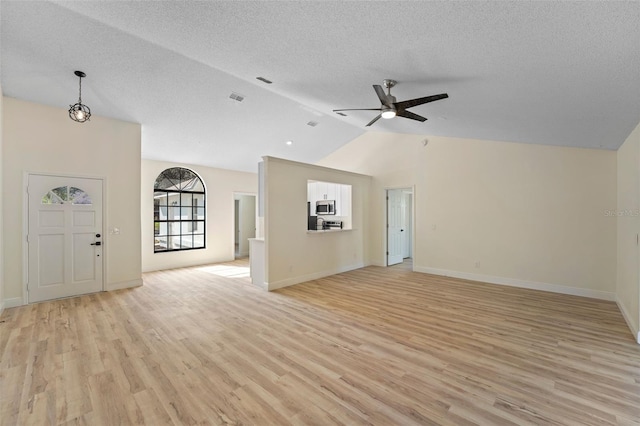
x: 477, y: 263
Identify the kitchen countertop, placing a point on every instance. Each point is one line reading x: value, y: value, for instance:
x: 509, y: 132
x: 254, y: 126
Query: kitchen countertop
x: 325, y: 231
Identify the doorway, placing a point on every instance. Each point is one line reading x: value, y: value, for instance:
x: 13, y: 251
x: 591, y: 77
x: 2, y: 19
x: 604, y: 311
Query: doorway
x: 244, y: 223
x: 64, y: 254
x: 399, y: 225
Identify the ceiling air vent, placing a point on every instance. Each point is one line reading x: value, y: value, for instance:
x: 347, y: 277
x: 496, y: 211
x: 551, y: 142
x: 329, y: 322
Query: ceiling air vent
x: 236, y: 97
x: 312, y: 123
x: 341, y: 113
x: 264, y: 80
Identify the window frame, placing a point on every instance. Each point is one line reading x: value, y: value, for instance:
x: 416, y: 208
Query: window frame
x: 185, y: 225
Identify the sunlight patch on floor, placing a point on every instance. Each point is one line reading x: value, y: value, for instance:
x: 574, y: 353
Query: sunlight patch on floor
x: 228, y: 271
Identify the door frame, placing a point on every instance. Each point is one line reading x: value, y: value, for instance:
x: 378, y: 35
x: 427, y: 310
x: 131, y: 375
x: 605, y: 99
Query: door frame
x: 233, y: 212
x: 25, y: 226
x: 385, y: 243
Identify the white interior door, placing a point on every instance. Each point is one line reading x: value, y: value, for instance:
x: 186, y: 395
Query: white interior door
x: 394, y: 226
x: 64, y: 237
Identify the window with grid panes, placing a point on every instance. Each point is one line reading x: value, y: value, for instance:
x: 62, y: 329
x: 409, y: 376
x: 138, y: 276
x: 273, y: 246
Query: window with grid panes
x: 178, y: 211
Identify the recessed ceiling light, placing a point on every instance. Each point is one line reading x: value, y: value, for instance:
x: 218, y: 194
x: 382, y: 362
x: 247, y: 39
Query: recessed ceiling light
x: 264, y: 80
x: 312, y: 123
x: 289, y: 142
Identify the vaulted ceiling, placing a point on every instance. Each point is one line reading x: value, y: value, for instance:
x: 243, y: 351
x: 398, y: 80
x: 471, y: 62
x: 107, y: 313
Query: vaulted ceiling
x: 557, y: 73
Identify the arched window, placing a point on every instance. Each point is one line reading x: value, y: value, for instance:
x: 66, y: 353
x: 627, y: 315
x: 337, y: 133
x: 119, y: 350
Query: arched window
x: 178, y: 211
x: 66, y: 195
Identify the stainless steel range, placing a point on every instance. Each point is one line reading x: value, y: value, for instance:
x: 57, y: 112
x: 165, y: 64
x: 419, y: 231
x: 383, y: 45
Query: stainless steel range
x: 332, y: 224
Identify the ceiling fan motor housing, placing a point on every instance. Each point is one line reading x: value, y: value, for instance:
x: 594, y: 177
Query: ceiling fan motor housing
x: 389, y: 83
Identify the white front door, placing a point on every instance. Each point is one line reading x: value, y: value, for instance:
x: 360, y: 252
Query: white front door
x: 394, y: 226
x: 64, y: 237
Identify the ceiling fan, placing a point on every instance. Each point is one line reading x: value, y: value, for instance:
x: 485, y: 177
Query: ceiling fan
x: 390, y: 108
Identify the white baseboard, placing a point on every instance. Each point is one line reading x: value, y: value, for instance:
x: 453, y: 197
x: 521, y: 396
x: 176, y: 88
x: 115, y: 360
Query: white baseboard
x: 264, y: 286
x: 123, y: 284
x: 513, y: 282
x: 14, y: 302
x: 316, y: 275
x: 631, y: 324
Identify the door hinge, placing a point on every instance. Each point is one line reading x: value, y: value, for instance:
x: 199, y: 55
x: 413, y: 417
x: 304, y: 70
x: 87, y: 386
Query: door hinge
x: 387, y: 253
x: 27, y: 238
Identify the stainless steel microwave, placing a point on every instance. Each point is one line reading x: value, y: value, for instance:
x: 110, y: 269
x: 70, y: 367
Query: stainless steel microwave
x: 325, y: 207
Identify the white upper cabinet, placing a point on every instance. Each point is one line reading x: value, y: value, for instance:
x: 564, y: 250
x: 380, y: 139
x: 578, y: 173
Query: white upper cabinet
x: 343, y: 204
x: 322, y: 190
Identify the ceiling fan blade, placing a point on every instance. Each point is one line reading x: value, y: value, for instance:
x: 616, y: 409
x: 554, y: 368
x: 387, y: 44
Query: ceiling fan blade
x: 374, y: 120
x: 357, y: 109
x: 419, y: 101
x: 409, y: 114
x: 381, y: 95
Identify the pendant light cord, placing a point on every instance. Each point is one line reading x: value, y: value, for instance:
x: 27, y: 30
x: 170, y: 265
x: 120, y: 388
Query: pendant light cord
x: 80, y: 91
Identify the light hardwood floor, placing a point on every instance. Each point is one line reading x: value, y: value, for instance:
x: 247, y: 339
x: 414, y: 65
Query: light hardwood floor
x: 382, y: 346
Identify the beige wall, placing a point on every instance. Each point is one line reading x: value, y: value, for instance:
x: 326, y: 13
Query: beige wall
x: 531, y: 215
x: 628, y: 208
x: 38, y: 138
x: 220, y: 187
x: 1, y: 208
x: 294, y: 255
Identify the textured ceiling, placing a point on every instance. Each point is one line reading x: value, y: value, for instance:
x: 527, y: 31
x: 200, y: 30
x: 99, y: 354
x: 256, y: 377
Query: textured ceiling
x: 558, y: 73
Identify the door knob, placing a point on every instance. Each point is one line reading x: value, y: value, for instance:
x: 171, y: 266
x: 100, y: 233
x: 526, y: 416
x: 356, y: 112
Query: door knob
x: 97, y: 243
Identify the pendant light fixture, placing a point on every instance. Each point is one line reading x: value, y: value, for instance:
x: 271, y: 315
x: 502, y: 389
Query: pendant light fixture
x: 79, y: 112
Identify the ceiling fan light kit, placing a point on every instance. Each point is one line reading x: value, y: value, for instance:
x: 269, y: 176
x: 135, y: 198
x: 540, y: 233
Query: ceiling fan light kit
x: 388, y: 113
x: 390, y: 108
x: 78, y: 111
